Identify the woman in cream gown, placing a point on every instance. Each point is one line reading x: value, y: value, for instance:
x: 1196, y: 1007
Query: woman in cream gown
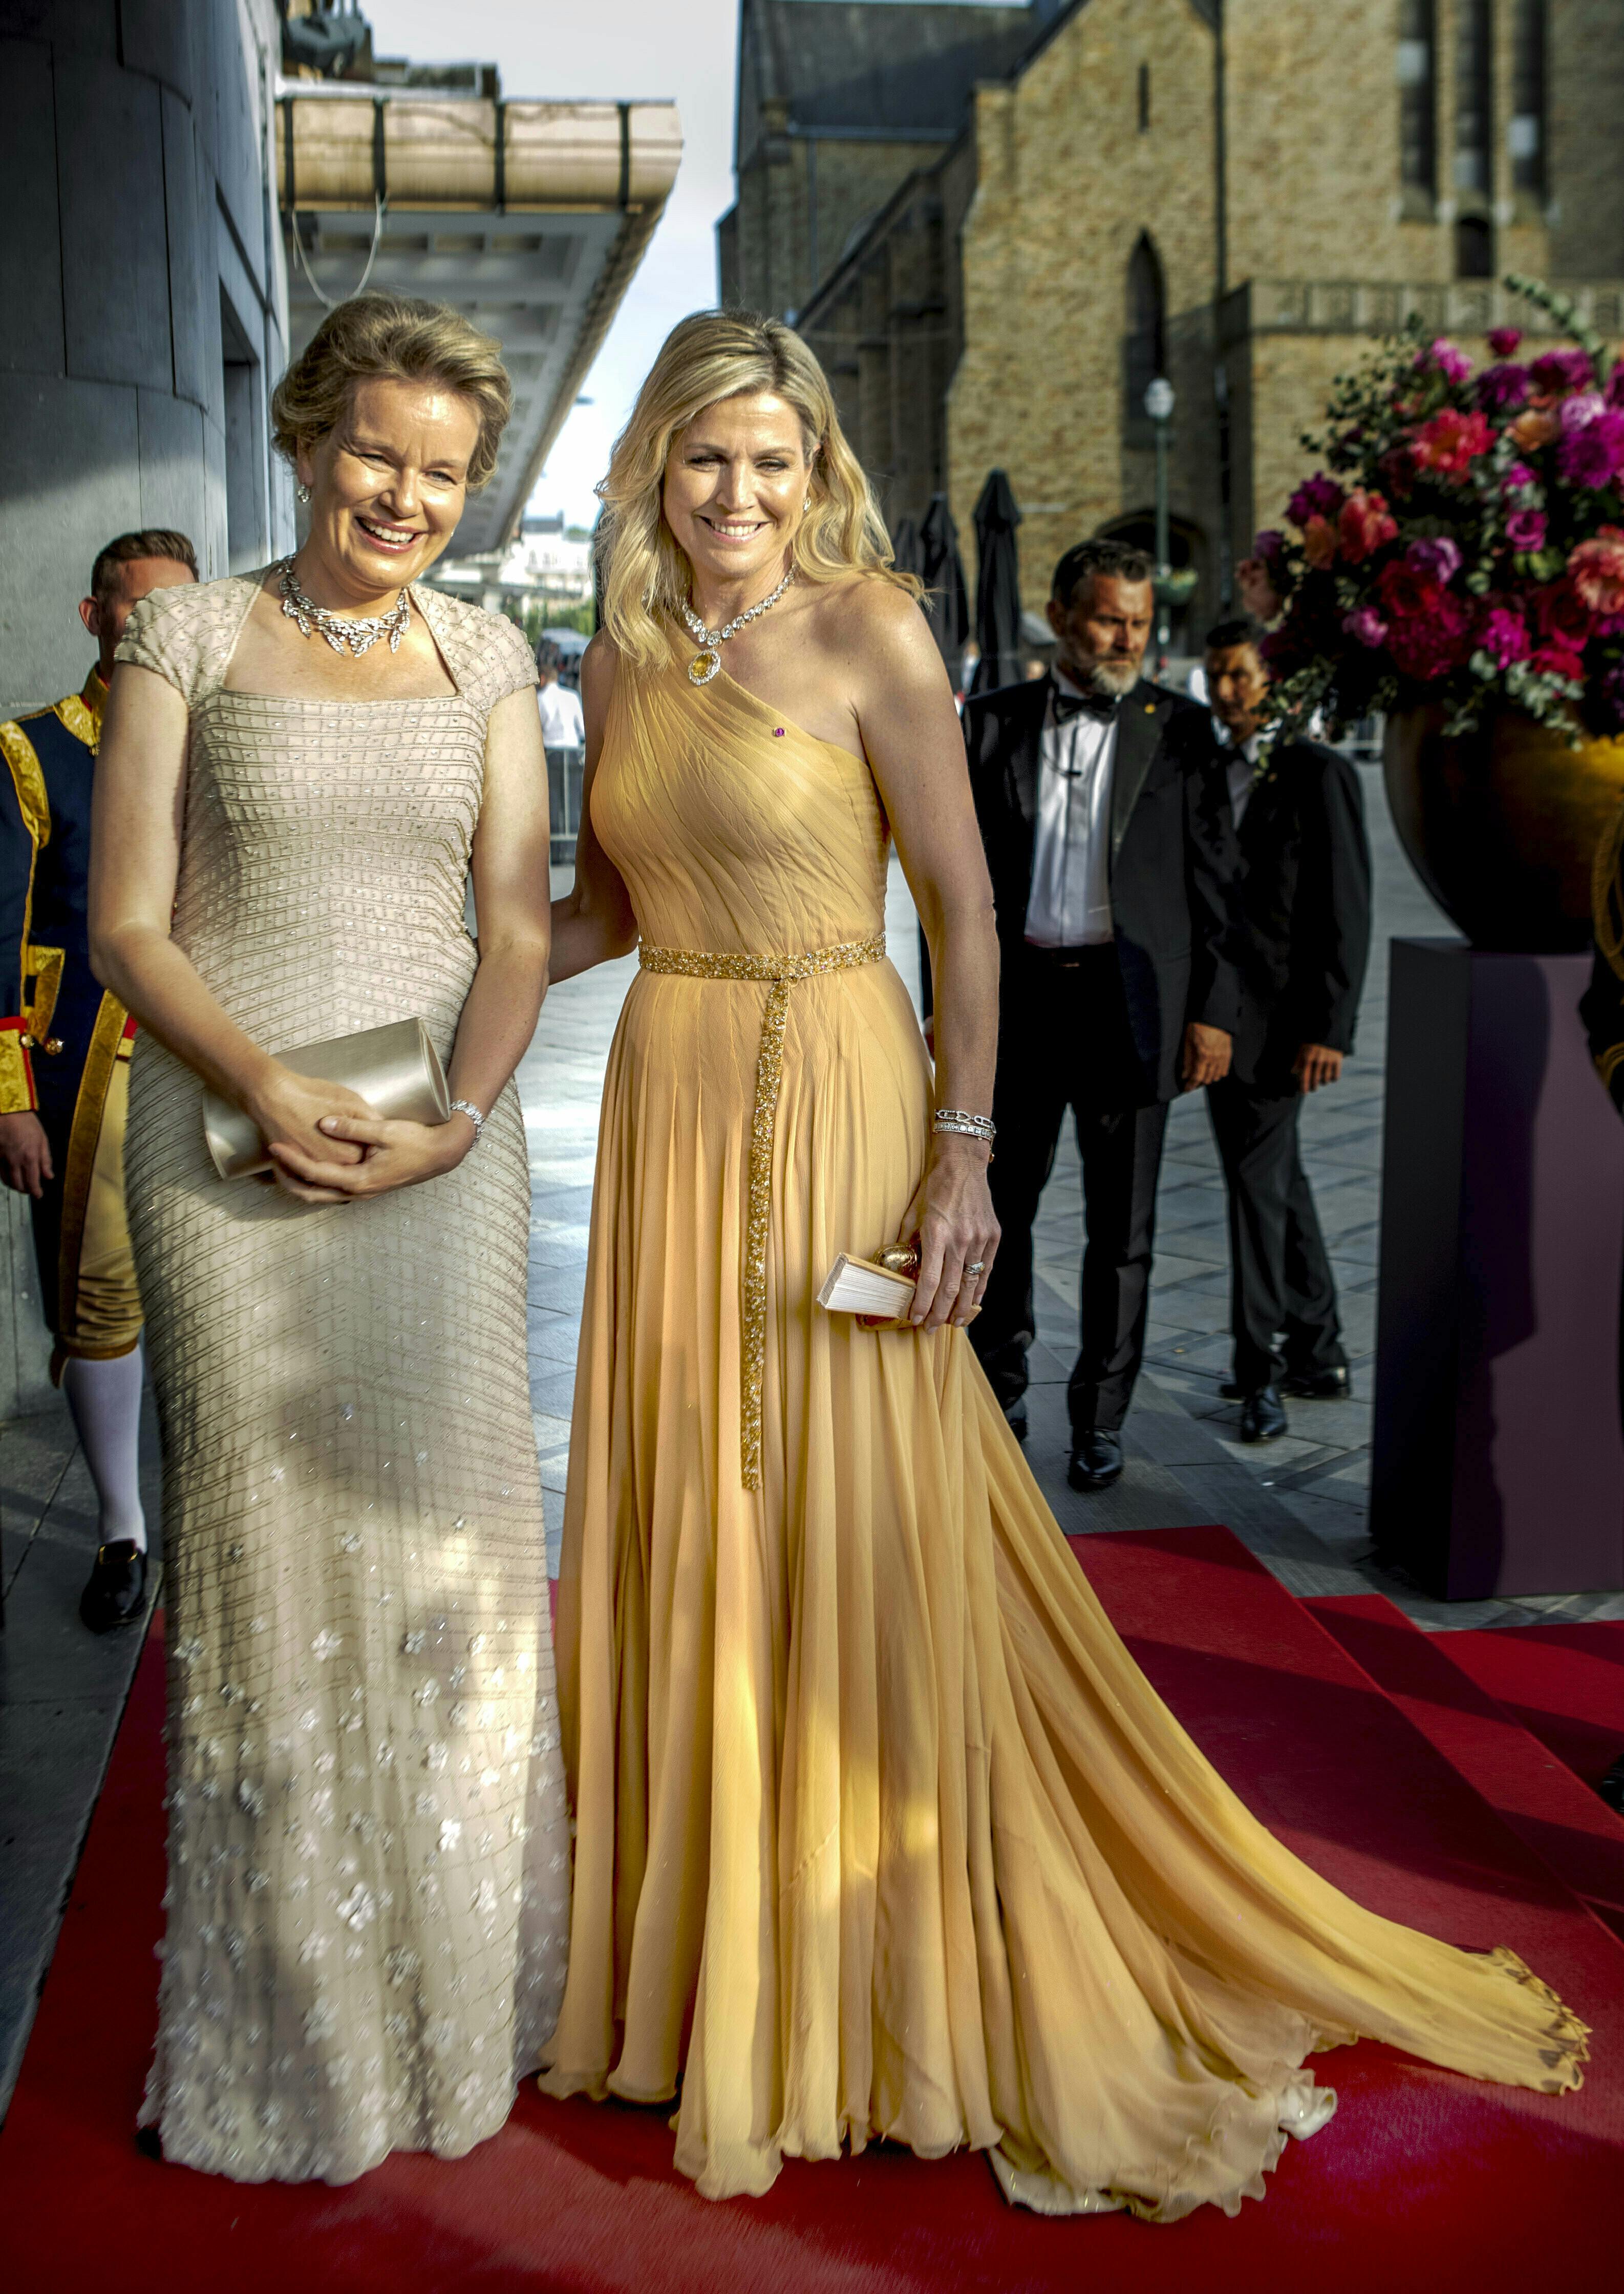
x: 368, y: 1837
x: 879, y: 1831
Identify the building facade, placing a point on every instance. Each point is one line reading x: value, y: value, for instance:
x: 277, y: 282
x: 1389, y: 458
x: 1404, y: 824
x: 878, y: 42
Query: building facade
x: 838, y: 102
x: 143, y: 302
x: 1239, y: 195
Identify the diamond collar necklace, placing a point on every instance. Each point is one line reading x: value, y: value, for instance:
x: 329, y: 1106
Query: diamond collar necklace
x: 350, y: 633
x: 704, y: 666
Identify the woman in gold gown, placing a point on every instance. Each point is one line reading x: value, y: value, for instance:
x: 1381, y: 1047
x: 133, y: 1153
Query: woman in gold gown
x: 879, y: 1832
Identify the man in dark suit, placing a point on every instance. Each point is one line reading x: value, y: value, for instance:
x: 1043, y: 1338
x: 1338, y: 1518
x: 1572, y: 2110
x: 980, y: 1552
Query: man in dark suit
x: 1118, y: 988
x: 1602, y: 1010
x: 1302, y: 870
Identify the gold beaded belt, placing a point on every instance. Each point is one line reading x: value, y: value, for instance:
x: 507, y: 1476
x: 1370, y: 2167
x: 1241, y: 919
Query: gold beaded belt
x: 779, y: 973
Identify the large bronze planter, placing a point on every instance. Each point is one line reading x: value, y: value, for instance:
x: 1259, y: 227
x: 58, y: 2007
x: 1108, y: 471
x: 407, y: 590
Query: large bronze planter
x: 1501, y: 826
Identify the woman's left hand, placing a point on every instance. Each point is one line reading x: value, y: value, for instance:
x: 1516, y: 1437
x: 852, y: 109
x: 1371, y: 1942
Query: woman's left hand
x: 958, y: 1234
x: 394, y: 1155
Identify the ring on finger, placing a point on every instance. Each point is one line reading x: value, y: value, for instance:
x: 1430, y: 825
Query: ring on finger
x: 975, y: 1266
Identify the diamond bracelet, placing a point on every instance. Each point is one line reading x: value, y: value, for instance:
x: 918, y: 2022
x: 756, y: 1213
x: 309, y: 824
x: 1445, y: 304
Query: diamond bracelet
x: 466, y: 1107
x: 959, y: 1119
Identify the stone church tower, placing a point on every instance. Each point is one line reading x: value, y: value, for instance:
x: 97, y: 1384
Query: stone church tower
x: 1238, y: 194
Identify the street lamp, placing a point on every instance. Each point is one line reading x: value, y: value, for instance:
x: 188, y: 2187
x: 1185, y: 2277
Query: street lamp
x: 1159, y: 403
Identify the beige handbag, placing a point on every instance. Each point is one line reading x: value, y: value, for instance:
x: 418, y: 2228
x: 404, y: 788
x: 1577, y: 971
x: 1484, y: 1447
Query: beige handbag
x: 396, y: 1070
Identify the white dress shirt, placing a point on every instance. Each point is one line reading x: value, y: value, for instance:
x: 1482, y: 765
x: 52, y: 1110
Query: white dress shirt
x: 1069, y: 905
x: 1242, y: 769
x: 563, y: 726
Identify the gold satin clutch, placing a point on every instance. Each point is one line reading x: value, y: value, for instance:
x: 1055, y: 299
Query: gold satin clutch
x: 396, y: 1070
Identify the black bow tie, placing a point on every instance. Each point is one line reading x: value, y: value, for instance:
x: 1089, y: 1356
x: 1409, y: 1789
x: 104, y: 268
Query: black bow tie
x: 1100, y: 706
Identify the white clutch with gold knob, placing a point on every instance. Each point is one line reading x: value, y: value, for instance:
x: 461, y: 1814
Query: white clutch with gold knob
x: 395, y: 1069
x: 872, y: 1286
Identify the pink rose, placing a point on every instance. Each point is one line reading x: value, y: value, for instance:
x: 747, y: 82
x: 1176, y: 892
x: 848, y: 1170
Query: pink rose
x: 1596, y: 571
x: 1504, y: 340
x: 1364, y: 526
x: 1451, y: 362
x: 1434, y: 558
x: 1366, y: 627
x: 1525, y: 529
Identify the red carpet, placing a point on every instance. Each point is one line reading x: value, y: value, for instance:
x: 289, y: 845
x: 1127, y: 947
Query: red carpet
x: 1565, y: 1683
x: 1563, y: 1820
x: 1424, y: 2181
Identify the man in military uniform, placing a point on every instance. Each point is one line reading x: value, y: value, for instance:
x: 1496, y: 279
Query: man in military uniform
x: 64, y: 1053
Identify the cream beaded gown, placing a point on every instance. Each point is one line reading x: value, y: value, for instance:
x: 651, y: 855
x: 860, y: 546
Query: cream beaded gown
x: 368, y: 1844
x: 878, y: 1829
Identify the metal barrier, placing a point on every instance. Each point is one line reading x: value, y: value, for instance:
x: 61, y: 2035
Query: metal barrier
x: 565, y: 771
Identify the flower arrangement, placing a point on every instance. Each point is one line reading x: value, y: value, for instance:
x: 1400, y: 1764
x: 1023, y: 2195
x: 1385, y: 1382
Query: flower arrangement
x: 1464, y: 541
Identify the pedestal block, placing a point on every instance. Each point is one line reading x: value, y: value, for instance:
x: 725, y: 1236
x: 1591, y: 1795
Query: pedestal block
x: 1498, y: 1457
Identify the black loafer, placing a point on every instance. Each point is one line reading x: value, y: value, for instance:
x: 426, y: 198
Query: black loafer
x: 1320, y: 1385
x: 1015, y: 1418
x: 1096, y: 1459
x: 116, y: 1592
x: 1262, y: 1417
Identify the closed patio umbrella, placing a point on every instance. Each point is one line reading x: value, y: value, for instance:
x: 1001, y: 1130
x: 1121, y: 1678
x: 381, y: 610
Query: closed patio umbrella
x: 946, y: 601
x: 997, y: 585
x: 907, y: 554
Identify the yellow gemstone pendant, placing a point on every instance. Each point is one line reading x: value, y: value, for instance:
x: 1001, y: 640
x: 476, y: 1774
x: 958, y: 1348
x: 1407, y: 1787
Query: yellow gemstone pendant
x: 704, y: 666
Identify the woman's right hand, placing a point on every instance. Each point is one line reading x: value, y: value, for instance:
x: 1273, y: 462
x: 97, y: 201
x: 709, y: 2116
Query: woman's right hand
x: 287, y: 1108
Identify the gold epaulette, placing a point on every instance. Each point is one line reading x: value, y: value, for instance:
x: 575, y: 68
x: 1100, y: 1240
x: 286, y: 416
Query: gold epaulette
x: 28, y: 776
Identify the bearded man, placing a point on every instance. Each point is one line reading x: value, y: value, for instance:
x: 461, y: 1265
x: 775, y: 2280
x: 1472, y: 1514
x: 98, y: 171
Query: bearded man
x: 1119, y: 986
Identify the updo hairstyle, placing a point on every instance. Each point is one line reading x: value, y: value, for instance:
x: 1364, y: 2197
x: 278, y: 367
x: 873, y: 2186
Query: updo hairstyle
x: 392, y: 339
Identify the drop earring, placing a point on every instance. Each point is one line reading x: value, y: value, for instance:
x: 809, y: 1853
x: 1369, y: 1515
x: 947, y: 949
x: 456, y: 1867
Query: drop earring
x: 301, y: 492
x: 806, y: 506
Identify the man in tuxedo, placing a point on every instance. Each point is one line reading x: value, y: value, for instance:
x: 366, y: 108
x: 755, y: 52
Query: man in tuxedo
x: 1302, y: 870
x: 1118, y: 988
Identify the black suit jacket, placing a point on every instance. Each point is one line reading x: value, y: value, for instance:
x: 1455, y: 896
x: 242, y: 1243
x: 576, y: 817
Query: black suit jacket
x: 1170, y: 900
x: 1302, y: 870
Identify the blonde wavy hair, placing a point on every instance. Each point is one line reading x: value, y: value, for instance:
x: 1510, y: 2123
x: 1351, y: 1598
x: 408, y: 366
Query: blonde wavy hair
x: 394, y: 338
x: 712, y: 355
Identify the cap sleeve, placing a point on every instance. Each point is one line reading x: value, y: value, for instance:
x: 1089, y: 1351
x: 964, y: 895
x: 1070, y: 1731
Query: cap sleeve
x: 507, y: 665
x: 169, y: 631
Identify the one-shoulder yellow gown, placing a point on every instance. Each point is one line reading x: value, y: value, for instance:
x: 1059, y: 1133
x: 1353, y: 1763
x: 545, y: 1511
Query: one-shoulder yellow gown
x: 880, y: 1829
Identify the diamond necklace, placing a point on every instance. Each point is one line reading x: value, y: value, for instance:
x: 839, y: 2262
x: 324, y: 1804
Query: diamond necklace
x: 350, y: 634
x: 704, y: 666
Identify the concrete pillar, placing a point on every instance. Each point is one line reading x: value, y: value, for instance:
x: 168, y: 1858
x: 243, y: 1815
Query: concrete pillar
x: 142, y: 320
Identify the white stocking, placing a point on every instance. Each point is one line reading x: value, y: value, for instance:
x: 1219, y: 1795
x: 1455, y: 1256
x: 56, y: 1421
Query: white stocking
x: 105, y: 1400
